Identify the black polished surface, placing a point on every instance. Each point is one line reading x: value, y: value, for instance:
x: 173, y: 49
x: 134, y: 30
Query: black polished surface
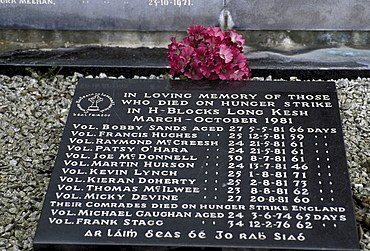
x: 200, y: 164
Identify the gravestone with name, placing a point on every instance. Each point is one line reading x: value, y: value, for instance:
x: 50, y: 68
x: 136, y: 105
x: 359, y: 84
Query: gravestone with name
x: 140, y: 15
x: 178, y: 15
x: 200, y: 164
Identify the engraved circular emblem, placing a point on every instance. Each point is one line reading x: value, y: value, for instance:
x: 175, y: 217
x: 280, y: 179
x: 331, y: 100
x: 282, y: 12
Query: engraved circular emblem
x: 95, y: 103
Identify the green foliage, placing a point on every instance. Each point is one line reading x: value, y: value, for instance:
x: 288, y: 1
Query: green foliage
x: 50, y: 74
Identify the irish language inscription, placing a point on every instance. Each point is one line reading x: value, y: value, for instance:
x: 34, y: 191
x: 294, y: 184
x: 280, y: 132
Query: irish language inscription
x: 236, y: 165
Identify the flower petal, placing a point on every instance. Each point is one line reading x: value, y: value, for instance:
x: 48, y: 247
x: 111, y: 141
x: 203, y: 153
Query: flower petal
x: 226, y: 53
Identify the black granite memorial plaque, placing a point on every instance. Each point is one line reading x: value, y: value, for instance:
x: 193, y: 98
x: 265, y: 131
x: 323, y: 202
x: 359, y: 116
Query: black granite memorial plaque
x: 142, y: 15
x: 300, y: 14
x: 200, y: 164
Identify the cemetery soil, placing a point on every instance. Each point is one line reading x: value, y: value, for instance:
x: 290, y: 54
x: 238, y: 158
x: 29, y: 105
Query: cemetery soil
x: 33, y: 112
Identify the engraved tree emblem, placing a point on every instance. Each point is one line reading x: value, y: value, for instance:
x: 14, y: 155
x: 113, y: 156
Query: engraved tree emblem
x: 95, y: 100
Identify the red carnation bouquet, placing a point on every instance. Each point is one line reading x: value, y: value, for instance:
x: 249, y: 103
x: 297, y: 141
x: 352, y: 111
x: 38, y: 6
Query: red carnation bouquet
x: 209, y: 53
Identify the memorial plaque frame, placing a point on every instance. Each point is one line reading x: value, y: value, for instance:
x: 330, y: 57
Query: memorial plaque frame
x: 200, y: 164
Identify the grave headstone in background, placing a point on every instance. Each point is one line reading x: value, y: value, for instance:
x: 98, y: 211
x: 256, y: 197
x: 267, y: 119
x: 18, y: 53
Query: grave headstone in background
x: 138, y: 15
x: 282, y: 26
x: 177, y: 15
x: 172, y: 163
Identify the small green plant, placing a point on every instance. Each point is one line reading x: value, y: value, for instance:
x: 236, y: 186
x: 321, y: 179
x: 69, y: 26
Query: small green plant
x: 50, y: 74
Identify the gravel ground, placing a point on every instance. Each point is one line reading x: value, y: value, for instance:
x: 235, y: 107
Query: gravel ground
x: 33, y: 111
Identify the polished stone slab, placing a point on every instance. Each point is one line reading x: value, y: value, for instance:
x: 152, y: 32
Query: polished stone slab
x: 326, y: 64
x: 223, y: 164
